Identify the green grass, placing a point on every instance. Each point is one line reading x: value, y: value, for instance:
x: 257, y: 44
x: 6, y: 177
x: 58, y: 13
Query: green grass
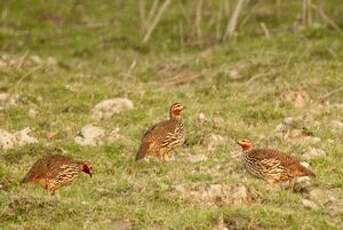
x: 105, y: 61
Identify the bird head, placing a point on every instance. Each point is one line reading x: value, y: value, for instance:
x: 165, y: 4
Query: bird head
x: 175, y: 110
x: 245, y: 144
x: 87, y: 168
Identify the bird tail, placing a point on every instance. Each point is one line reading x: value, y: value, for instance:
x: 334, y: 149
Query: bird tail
x: 141, y: 152
x: 303, y: 171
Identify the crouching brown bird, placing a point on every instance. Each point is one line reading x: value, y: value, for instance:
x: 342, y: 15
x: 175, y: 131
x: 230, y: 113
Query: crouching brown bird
x: 161, y: 139
x: 271, y: 165
x: 54, y: 171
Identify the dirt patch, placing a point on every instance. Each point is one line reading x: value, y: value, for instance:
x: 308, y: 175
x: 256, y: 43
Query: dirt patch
x: 298, y: 98
x: 217, y: 194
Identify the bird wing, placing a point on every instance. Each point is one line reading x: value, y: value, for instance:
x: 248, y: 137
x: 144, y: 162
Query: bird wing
x: 275, y: 157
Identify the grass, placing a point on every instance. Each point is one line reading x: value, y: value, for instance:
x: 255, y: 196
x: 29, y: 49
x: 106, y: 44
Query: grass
x: 99, y: 54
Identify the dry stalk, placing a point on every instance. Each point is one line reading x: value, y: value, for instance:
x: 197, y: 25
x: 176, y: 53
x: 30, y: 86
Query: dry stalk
x: 142, y: 14
x: 326, y: 18
x: 198, y: 21
x: 152, y: 11
x: 219, y: 20
x: 265, y: 30
x: 329, y: 94
x: 155, y: 21
x: 232, y: 24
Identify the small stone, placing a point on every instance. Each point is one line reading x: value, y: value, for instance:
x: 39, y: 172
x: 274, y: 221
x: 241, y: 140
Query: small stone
x: 197, y: 158
x: 51, y: 61
x: 234, y: 74
x: 32, y: 113
x: 201, y: 117
x: 90, y: 135
x: 310, y: 204
x: 107, y: 108
x: 313, y: 153
x: 36, y: 59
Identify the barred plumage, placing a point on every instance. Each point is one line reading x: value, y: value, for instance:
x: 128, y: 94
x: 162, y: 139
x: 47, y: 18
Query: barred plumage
x: 162, y: 138
x: 271, y: 165
x: 53, y: 171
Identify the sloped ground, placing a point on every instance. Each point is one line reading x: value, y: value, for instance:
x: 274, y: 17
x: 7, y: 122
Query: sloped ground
x: 282, y: 92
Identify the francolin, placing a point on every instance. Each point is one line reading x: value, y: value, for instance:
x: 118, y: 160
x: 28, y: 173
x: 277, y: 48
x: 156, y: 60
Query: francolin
x: 161, y: 139
x: 272, y: 165
x: 54, y: 171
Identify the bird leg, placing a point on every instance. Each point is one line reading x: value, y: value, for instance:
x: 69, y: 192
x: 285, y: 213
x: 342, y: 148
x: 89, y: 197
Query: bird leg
x: 166, y: 157
x: 291, y: 184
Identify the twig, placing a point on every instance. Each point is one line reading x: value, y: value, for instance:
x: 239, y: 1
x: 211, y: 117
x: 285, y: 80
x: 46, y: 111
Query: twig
x: 329, y: 94
x: 33, y: 70
x: 328, y: 20
x: 22, y: 60
x: 304, y: 13
x: 219, y: 20
x: 181, y: 36
x: 14, y: 88
x: 156, y: 20
x: 178, y: 80
x: 231, y: 26
x: 265, y: 29
x: 278, y: 8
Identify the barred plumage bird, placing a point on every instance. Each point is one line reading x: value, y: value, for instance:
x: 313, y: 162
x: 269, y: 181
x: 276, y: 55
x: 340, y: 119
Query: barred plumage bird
x: 162, y: 138
x: 271, y: 165
x: 54, y: 171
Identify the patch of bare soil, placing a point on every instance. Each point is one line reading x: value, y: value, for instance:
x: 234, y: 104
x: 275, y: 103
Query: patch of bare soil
x: 217, y: 194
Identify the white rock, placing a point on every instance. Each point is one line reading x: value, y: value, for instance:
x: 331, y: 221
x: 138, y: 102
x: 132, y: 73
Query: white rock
x: 90, y: 135
x: 313, y: 153
x: 19, y: 138
x: 197, y: 158
x: 7, y: 139
x: 107, y: 108
x: 23, y: 137
x: 32, y: 113
x: 201, y: 117
x: 310, y: 204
